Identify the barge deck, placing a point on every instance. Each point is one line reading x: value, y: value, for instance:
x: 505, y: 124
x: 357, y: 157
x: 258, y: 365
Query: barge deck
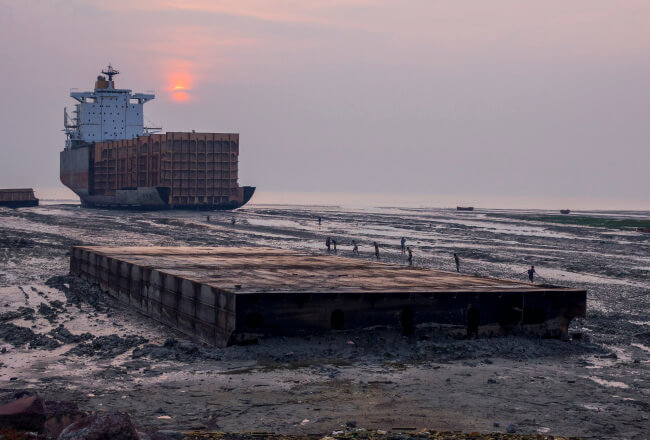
x: 222, y: 296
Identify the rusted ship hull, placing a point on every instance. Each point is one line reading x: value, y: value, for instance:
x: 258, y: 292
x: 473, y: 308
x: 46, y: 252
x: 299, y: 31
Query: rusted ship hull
x: 167, y: 171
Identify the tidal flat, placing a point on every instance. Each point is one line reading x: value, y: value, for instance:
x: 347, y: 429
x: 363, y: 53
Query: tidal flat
x: 68, y: 340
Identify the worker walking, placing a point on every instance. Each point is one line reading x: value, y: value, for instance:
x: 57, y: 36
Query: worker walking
x: 457, y: 262
x: 410, y: 256
x: 376, y: 250
x: 355, y: 248
x: 403, y: 243
x: 334, y: 244
x: 531, y: 273
x: 328, y: 242
x: 319, y: 221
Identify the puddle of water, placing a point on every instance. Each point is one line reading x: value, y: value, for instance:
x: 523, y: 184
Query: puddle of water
x: 624, y: 398
x: 641, y: 346
x: 609, y: 383
x: 593, y: 407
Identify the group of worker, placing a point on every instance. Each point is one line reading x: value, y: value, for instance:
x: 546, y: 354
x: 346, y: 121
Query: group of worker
x: 406, y: 249
x: 330, y: 243
x: 233, y: 220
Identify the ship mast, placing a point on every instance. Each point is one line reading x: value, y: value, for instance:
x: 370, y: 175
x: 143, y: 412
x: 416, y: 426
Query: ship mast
x: 110, y: 72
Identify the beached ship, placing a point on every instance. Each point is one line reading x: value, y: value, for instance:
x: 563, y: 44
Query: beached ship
x: 112, y: 160
x: 464, y: 208
x: 565, y: 211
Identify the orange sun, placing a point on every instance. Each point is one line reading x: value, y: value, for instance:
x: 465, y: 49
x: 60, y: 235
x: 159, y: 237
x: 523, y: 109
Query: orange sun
x: 179, y: 93
x: 180, y: 86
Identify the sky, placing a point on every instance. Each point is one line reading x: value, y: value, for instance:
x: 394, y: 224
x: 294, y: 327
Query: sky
x: 486, y: 98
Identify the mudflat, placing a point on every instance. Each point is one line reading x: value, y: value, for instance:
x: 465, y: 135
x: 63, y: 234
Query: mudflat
x: 67, y: 339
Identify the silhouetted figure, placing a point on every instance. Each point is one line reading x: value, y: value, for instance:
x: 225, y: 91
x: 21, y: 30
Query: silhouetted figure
x: 531, y: 273
x: 457, y: 262
x: 233, y: 221
x: 319, y: 221
x: 355, y: 248
x: 403, y: 243
x: 376, y: 250
x: 410, y: 256
x: 334, y: 244
x: 328, y: 242
x: 208, y: 219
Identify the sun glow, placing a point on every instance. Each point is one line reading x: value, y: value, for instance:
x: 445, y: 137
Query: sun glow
x: 180, y: 86
x: 180, y: 96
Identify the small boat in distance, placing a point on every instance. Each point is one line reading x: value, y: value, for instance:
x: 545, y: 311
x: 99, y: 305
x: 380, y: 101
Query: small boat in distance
x: 464, y: 208
x: 565, y: 211
x: 645, y: 230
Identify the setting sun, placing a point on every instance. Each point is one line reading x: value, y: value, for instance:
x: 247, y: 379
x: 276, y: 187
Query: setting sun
x: 180, y: 96
x: 180, y: 87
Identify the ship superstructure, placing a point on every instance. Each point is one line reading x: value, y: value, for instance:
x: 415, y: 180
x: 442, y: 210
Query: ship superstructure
x: 106, y: 113
x: 112, y: 160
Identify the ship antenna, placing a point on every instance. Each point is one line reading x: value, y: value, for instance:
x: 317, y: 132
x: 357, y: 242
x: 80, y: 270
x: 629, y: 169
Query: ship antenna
x: 110, y: 72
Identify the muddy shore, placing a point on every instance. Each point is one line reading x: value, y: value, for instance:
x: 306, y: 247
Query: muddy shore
x: 68, y: 340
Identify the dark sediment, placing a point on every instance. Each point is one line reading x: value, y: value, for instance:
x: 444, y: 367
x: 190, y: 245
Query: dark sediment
x: 594, y: 384
x: 64, y: 335
x: 19, y: 336
x: 107, y: 346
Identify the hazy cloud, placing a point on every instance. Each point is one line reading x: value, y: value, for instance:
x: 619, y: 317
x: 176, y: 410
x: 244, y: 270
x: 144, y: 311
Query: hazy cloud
x: 504, y: 97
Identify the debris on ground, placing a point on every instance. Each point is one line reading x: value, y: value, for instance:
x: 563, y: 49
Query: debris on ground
x: 19, y: 336
x: 107, y: 346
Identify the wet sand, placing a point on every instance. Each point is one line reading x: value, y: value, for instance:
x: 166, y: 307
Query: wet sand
x: 108, y: 357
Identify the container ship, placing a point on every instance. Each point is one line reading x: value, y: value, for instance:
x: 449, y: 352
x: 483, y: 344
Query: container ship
x: 111, y: 160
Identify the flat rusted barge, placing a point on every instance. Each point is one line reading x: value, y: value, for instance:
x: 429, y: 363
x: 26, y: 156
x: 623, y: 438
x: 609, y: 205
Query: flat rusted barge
x: 18, y: 197
x: 222, y: 296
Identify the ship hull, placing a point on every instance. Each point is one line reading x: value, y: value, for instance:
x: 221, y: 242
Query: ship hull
x: 170, y: 171
x: 154, y: 198
x: 19, y: 203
